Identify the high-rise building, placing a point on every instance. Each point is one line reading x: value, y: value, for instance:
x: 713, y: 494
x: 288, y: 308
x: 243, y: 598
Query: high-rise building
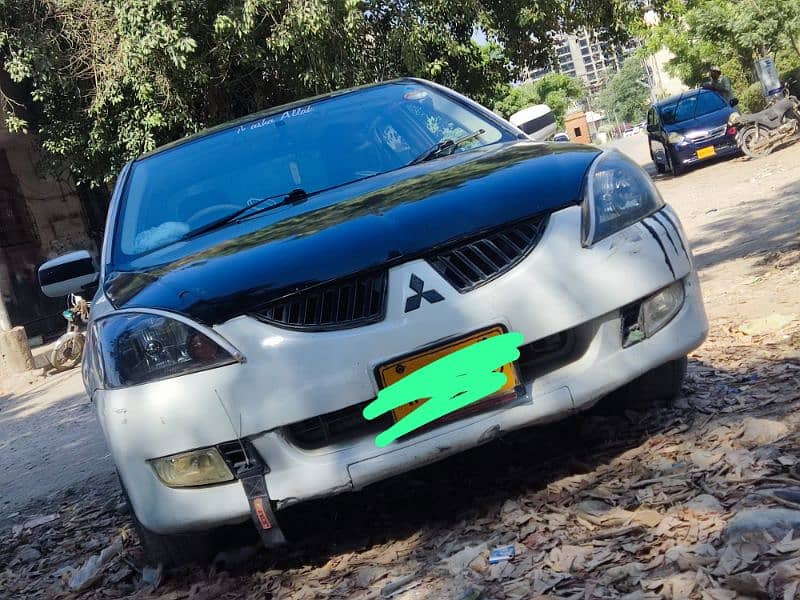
x: 586, y: 56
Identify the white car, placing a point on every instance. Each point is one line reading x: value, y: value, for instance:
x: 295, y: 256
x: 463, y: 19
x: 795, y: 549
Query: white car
x: 262, y: 282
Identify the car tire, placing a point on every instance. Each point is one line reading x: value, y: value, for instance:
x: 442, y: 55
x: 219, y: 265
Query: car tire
x: 660, y: 169
x: 674, y: 165
x: 658, y: 388
x: 176, y: 549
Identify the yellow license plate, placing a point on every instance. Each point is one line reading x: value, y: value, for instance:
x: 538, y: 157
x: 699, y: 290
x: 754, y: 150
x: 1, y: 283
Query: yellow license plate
x: 395, y: 371
x: 706, y: 152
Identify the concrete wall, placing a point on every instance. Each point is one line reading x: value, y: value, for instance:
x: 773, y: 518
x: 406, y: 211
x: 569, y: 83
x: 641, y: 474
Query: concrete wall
x: 40, y: 218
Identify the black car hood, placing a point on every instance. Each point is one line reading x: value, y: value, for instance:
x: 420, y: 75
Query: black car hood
x: 377, y: 222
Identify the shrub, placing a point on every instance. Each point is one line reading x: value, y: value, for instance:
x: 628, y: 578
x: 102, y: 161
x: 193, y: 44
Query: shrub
x: 752, y: 99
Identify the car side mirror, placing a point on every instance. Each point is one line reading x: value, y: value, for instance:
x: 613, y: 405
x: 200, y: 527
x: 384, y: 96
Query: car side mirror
x: 734, y: 102
x: 68, y: 274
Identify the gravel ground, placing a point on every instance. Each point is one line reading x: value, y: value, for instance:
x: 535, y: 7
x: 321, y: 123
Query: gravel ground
x: 701, y: 500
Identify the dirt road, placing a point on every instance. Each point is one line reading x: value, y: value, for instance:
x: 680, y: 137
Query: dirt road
x: 648, y: 504
x: 735, y: 212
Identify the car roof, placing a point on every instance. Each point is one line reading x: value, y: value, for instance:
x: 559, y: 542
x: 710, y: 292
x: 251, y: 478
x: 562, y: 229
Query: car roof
x: 268, y: 112
x: 676, y: 97
x: 529, y: 113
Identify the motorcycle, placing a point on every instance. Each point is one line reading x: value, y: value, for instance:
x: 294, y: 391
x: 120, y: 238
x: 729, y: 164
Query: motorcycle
x: 758, y: 134
x: 68, y: 350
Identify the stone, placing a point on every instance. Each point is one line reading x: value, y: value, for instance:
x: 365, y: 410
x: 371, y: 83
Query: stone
x: 28, y: 554
x: 705, y: 503
x: 762, y: 431
x: 776, y: 521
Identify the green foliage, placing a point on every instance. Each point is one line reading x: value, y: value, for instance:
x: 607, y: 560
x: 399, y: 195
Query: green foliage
x: 556, y: 90
x: 624, y: 96
x: 106, y: 80
x: 751, y: 99
x: 731, y: 33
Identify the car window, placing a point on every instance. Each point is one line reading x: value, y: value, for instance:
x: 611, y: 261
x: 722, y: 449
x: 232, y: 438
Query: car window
x: 312, y: 147
x: 682, y: 110
x: 668, y: 112
x: 686, y: 109
x: 709, y: 102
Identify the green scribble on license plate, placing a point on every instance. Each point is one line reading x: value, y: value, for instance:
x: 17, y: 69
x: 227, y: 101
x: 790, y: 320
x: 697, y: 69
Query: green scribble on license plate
x: 450, y: 383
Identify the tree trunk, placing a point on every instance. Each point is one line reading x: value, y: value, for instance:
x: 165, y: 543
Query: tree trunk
x: 15, y: 353
x: 795, y: 44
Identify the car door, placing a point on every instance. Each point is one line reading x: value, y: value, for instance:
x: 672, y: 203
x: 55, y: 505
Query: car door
x: 656, y: 136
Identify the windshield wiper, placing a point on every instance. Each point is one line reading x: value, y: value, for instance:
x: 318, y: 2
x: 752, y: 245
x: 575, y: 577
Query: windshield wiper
x: 294, y: 197
x: 448, y: 144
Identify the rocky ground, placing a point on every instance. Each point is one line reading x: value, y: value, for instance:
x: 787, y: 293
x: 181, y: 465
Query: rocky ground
x: 701, y: 500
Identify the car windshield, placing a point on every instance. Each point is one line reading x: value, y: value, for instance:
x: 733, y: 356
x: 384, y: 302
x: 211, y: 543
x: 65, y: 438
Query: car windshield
x: 316, y: 146
x: 691, y: 107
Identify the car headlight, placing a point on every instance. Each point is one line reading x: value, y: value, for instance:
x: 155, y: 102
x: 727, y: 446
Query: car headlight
x: 618, y: 193
x: 734, y: 118
x: 137, y: 348
x: 675, y: 138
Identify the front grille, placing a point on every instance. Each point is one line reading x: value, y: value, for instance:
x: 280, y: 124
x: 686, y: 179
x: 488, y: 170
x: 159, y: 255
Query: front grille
x: 536, y: 359
x: 336, y: 427
x: 476, y: 262
x: 345, y: 303
x: 710, y: 136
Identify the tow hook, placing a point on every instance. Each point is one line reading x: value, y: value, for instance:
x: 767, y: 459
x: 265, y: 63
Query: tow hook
x: 255, y: 488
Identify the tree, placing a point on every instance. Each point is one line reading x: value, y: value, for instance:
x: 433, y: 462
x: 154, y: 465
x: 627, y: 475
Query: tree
x: 730, y: 33
x: 106, y: 80
x: 625, y: 95
x: 556, y: 90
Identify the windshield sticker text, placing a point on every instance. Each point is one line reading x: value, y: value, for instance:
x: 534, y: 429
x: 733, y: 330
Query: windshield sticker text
x: 272, y: 120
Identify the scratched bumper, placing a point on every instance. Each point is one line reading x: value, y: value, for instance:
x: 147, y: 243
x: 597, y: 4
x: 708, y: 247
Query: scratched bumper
x: 293, y: 376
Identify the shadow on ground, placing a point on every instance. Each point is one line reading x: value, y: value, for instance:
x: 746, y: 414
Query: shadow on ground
x: 755, y: 227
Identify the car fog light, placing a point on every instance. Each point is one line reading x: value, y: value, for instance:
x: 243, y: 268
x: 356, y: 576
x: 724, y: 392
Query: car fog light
x: 189, y: 469
x: 661, y: 307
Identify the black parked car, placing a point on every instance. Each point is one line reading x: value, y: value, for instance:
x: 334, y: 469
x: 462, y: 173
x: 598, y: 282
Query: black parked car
x: 689, y: 128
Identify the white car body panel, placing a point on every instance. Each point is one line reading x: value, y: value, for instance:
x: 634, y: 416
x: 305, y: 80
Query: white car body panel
x: 560, y: 286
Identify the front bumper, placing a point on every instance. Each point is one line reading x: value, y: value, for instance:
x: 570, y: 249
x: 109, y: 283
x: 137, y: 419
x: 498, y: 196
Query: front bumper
x: 724, y: 146
x: 293, y: 376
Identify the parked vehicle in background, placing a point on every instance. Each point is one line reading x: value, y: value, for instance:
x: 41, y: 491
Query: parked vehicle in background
x: 538, y: 122
x: 263, y: 281
x: 629, y: 132
x: 758, y: 134
x: 68, y: 350
x: 561, y: 137
x: 688, y: 128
